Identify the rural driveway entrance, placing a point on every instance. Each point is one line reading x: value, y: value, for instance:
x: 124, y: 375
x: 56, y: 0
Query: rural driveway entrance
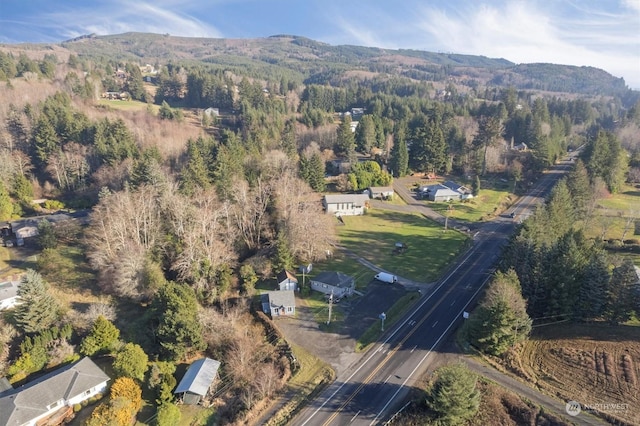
x: 338, y: 348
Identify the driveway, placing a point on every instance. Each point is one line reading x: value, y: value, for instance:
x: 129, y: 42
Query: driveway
x: 338, y: 348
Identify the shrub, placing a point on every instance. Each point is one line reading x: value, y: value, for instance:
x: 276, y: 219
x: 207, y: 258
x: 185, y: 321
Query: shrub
x: 77, y: 407
x: 53, y: 205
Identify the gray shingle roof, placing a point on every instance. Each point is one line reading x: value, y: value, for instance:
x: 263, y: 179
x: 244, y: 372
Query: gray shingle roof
x: 199, y: 376
x: 336, y: 279
x: 26, y: 403
x: 278, y: 298
x: 357, y: 199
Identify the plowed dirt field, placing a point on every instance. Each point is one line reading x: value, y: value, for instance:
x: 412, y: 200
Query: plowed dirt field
x: 595, y: 365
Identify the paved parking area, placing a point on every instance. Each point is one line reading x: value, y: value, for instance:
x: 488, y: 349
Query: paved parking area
x: 338, y: 348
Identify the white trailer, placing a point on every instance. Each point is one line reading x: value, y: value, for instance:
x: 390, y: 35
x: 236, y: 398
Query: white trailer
x: 386, y: 278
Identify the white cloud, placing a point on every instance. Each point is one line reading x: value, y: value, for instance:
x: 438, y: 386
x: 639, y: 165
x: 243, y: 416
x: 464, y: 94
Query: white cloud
x: 121, y: 16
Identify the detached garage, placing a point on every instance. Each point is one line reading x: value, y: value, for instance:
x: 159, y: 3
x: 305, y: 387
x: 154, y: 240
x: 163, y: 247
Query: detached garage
x: 197, y: 381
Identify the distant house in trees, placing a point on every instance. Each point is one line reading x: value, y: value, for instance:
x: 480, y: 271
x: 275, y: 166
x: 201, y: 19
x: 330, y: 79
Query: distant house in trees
x: 346, y: 204
x: 52, y: 395
x: 287, y: 280
x: 212, y: 112
x: 339, y: 166
x: 9, y: 294
x: 336, y: 283
x: 278, y: 303
x: 197, y: 381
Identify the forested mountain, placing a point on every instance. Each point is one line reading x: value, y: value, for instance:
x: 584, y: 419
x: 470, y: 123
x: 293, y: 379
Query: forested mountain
x: 315, y: 61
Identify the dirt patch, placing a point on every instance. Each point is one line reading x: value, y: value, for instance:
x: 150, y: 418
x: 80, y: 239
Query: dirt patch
x: 596, y: 365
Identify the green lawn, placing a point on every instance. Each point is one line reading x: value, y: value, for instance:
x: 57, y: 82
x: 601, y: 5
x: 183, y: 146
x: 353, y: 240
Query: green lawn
x: 373, y: 237
x: 127, y: 105
x: 488, y: 203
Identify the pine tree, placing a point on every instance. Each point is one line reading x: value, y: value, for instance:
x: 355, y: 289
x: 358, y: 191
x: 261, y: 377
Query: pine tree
x: 102, y: 337
x: 453, y: 397
x: 131, y: 361
x: 175, y: 317
x: 624, y: 293
x: 283, y: 260
x: 399, y: 161
x: 345, y: 144
x: 580, y: 189
x: 594, y: 287
x: 6, y: 206
x: 365, y: 135
x: 37, y: 310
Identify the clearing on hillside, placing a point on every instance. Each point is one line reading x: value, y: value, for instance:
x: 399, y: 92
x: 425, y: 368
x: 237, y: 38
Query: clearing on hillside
x: 595, y: 365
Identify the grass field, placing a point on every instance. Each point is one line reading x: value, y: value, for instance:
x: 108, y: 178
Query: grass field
x: 373, y: 237
x: 5, y: 257
x: 127, y: 105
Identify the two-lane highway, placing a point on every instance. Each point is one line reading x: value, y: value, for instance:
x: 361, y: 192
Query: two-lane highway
x: 377, y: 386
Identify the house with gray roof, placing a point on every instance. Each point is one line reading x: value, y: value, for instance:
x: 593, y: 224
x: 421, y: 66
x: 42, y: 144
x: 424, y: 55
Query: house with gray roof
x: 9, y: 294
x: 197, y: 381
x: 345, y: 204
x: 44, y: 397
x: 278, y: 303
x: 381, y: 192
x: 336, y: 283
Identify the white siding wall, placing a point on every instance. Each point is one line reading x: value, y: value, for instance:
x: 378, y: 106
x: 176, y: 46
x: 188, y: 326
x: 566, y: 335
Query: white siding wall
x: 86, y: 395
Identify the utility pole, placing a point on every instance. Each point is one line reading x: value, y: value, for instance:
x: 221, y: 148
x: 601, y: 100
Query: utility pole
x: 382, y: 317
x: 330, y: 306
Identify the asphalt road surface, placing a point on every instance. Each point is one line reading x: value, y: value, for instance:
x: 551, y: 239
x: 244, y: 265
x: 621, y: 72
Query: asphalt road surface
x: 371, y: 391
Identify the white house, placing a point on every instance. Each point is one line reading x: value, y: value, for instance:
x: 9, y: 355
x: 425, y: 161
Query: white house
x: 9, y: 294
x: 336, y: 283
x: 346, y: 204
x: 278, y: 303
x: 447, y: 191
x: 57, y: 391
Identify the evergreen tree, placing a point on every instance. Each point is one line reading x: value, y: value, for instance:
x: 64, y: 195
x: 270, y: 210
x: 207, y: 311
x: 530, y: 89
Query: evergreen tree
x: 365, y: 136
x: 102, y: 337
x: 47, y: 237
x: 594, y: 287
x: 174, y: 313
x: 38, y: 309
x: 6, y: 206
x: 283, y: 260
x: 624, y: 293
x: 399, y: 161
x: 312, y: 171
x: 475, y: 187
x: 131, y: 361
x: 501, y: 320
x: 490, y: 129
x: 453, y: 397
x: 580, y: 189
x: 345, y: 144
x: 45, y: 141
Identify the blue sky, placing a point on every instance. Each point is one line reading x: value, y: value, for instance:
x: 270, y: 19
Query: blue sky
x: 600, y: 33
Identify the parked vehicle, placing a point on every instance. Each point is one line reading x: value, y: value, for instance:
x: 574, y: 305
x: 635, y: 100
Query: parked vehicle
x: 386, y: 278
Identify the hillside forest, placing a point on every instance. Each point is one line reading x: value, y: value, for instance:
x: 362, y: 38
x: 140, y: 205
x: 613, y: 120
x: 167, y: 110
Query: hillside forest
x: 202, y: 178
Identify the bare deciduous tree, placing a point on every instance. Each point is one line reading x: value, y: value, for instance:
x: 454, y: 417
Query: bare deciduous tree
x: 124, y: 227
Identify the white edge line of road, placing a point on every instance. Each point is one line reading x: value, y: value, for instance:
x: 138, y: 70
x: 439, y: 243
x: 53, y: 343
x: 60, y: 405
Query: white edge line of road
x: 397, y: 328
x: 429, y: 351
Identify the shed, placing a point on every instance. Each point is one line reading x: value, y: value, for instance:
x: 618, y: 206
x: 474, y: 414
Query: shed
x: 381, y: 192
x: 197, y: 380
x: 287, y: 280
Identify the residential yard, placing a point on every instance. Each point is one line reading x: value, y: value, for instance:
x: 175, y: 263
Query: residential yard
x: 5, y: 257
x: 494, y: 198
x: 374, y: 235
x: 127, y: 105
